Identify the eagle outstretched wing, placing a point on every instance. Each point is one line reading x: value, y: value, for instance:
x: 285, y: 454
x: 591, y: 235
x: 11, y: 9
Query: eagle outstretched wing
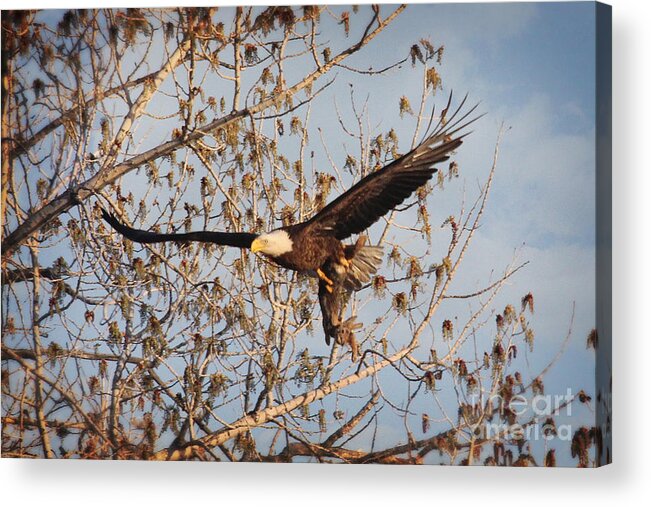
x: 379, y: 192
x: 236, y: 239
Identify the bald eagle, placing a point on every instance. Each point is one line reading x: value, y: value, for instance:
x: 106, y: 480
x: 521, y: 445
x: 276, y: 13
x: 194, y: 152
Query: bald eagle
x: 315, y: 246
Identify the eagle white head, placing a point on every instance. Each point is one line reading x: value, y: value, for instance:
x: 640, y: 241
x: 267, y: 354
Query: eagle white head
x: 273, y: 243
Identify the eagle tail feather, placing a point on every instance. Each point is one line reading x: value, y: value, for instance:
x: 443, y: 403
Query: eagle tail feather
x: 363, y: 265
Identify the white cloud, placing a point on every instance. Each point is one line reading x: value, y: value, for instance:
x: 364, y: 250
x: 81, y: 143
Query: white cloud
x: 546, y: 186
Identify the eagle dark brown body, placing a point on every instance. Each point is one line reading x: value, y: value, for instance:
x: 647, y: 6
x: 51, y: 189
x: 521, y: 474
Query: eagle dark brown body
x: 316, y: 251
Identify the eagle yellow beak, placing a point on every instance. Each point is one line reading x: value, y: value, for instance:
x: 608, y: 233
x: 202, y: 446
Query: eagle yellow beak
x: 256, y: 246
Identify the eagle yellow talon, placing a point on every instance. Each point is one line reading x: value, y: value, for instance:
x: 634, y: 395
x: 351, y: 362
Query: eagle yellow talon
x: 323, y: 277
x: 344, y: 262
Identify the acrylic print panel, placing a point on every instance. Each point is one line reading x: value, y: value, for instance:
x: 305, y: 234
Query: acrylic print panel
x: 347, y: 234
